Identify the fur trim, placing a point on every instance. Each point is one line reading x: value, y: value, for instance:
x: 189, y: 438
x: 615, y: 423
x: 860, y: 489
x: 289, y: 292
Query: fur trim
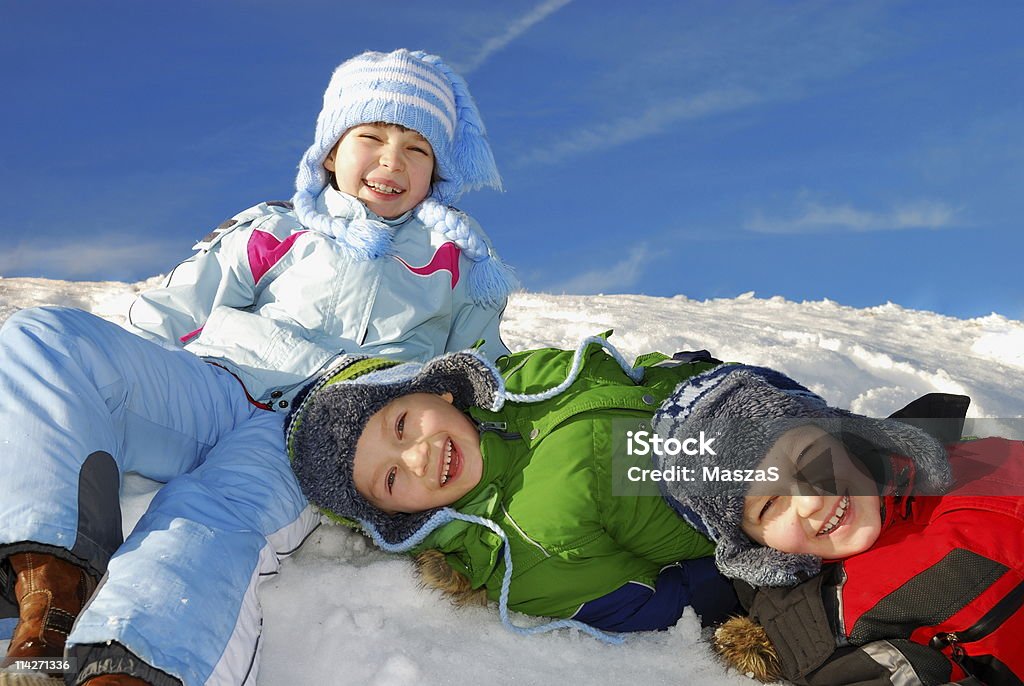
x: 744, y: 644
x: 436, y: 573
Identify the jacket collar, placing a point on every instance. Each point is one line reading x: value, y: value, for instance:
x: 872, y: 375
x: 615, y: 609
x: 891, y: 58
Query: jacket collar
x: 497, y: 461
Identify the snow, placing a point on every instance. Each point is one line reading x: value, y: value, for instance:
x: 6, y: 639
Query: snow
x: 342, y: 612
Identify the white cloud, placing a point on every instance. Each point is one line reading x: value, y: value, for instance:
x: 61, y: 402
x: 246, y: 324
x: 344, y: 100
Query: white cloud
x: 726, y: 60
x: 814, y: 217
x: 657, y: 118
x: 511, y: 32
x: 103, y: 258
x: 614, y: 278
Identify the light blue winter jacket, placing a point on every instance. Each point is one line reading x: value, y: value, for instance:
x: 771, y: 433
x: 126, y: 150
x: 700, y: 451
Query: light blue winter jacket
x: 275, y: 302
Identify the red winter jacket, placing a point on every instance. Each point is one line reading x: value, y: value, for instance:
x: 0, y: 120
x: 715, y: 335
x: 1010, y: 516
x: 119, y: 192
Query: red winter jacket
x: 939, y: 597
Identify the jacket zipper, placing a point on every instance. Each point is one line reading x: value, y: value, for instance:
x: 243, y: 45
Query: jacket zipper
x: 499, y: 428
x: 988, y: 623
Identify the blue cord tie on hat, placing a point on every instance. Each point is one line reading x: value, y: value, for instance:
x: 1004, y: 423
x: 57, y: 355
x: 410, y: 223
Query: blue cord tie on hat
x: 577, y: 363
x: 360, y: 239
x: 446, y: 515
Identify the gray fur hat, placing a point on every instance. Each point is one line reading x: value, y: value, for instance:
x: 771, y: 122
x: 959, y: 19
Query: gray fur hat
x: 745, y: 410
x: 322, y: 431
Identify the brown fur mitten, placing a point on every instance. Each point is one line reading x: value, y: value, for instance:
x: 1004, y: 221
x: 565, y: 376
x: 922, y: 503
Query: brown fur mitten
x: 435, y: 572
x: 745, y: 645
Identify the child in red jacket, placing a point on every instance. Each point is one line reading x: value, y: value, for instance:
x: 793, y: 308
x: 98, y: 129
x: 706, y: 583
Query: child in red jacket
x: 864, y: 551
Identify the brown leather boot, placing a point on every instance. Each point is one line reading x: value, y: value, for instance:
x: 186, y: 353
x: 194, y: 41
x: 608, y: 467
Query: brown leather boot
x: 50, y: 594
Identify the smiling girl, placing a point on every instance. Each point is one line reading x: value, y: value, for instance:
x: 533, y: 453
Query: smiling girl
x: 369, y: 257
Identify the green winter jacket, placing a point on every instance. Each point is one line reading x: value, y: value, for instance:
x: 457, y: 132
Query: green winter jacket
x: 547, y: 483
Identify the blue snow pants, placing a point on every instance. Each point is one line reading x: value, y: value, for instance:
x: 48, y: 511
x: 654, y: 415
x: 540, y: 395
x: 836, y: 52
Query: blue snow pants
x: 82, y: 402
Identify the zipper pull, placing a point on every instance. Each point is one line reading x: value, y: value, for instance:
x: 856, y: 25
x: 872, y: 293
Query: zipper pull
x: 950, y: 640
x: 959, y: 654
x: 500, y: 428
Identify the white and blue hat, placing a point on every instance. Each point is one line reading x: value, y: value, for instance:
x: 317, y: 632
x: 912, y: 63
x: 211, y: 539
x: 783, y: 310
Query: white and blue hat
x: 414, y: 90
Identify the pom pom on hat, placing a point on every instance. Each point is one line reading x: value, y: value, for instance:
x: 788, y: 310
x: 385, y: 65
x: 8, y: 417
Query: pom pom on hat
x: 745, y: 645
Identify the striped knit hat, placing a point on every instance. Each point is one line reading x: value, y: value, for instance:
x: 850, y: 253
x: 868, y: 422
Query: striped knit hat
x: 422, y: 93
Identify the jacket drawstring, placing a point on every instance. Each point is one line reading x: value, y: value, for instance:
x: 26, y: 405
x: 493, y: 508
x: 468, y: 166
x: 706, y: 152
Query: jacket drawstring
x: 577, y: 363
x: 446, y: 515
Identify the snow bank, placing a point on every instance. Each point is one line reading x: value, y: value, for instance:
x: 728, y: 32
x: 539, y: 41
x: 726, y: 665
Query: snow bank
x: 341, y: 612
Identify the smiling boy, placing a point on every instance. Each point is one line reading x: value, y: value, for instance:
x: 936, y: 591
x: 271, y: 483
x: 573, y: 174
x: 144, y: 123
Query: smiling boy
x: 506, y: 473
x: 879, y: 557
x: 831, y: 523
x: 417, y: 453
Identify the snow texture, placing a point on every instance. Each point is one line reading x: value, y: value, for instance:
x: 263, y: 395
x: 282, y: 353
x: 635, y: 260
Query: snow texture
x: 341, y: 612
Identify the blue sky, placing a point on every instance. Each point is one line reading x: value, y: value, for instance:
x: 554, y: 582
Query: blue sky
x: 858, y: 151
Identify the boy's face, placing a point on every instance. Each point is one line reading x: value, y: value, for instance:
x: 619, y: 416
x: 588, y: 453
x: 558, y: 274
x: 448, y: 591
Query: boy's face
x: 418, y: 452
x: 388, y: 167
x: 832, y: 509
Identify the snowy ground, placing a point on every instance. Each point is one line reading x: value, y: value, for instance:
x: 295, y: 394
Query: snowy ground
x: 343, y: 613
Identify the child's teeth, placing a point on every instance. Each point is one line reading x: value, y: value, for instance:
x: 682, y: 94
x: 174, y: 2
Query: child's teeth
x: 834, y: 521
x: 382, y: 188
x: 447, y: 461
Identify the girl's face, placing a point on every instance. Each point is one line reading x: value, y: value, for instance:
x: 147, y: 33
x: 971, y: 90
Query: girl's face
x: 417, y: 453
x: 386, y: 166
x: 833, y: 508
